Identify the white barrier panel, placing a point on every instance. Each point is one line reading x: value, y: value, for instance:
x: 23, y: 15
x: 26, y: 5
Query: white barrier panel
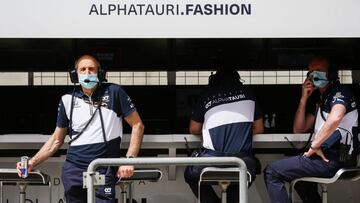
x: 179, y: 18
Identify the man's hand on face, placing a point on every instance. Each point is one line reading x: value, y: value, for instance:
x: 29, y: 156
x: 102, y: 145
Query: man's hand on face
x: 307, y: 88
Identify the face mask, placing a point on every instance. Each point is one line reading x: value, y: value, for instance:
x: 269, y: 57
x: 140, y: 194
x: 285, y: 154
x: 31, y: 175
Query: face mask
x: 88, y: 81
x: 319, y: 79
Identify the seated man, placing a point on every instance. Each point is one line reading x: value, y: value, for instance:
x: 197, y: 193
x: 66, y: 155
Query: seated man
x: 331, y: 110
x: 227, y: 116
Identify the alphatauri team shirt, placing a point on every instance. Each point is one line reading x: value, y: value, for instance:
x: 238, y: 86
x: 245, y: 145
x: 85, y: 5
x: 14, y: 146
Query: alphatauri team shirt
x: 227, y: 114
x: 347, y: 131
x: 115, y: 104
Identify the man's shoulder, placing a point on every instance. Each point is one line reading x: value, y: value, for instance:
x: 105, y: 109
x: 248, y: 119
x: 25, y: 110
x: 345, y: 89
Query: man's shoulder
x: 340, y: 90
x: 112, y: 87
x: 247, y: 88
x: 76, y: 91
x: 67, y: 94
x: 342, y: 95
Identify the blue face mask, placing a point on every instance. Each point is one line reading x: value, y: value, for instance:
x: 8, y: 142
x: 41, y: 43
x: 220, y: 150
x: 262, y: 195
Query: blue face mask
x: 319, y: 79
x: 88, y: 81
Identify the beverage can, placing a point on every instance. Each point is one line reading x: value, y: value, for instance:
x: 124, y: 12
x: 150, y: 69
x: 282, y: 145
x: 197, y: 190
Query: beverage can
x: 24, y: 166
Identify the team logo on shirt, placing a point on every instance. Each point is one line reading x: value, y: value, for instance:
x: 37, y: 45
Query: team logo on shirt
x: 105, y: 98
x: 107, y: 190
x: 76, y: 104
x: 132, y: 105
x: 224, y: 99
x: 208, y: 105
x: 338, y: 97
x: 353, y: 105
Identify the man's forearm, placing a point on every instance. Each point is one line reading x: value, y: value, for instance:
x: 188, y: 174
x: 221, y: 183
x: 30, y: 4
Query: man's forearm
x: 195, y: 128
x: 326, y: 131
x: 332, y: 122
x: 300, y: 118
x: 135, y: 140
x: 46, y: 151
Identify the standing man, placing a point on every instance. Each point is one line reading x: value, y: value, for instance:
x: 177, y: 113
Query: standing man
x: 93, y: 114
x: 226, y: 116
x: 329, y: 109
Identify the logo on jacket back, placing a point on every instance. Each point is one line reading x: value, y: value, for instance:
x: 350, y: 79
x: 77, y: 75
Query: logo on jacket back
x: 225, y: 99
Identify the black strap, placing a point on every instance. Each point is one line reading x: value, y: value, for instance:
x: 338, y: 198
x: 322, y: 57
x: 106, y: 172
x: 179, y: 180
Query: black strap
x: 71, y: 110
x: 303, y: 147
x: 100, y: 113
x: 102, y: 123
x: 88, y: 123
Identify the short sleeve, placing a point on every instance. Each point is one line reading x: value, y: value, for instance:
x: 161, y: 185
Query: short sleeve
x: 341, y: 96
x: 62, y: 120
x: 127, y: 106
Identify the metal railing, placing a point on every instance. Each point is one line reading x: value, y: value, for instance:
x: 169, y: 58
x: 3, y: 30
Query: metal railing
x: 91, y: 178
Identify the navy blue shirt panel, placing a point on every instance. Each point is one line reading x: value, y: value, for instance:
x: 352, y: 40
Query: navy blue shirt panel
x: 82, y: 155
x: 338, y: 95
x: 126, y: 106
x: 232, y: 144
x: 62, y: 119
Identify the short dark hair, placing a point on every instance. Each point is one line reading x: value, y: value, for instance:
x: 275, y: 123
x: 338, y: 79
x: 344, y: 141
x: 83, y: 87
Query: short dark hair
x: 224, y: 75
